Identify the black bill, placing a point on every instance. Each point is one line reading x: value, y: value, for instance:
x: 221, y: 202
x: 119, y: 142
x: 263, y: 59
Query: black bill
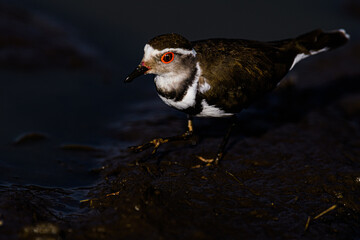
x: 140, y: 70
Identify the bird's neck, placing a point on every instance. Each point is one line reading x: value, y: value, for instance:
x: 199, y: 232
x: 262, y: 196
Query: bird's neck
x: 175, y: 85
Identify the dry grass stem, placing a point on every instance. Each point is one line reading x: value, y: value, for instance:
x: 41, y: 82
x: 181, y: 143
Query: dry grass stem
x: 326, y: 211
x: 234, y: 177
x: 205, y: 159
x: 307, y: 223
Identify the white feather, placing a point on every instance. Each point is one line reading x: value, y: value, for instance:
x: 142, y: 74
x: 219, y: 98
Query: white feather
x: 302, y: 56
x: 343, y: 32
x: 203, y: 88
x: 211, y: 111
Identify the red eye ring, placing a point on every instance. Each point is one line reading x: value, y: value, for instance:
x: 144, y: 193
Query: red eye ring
x: 167, y: 57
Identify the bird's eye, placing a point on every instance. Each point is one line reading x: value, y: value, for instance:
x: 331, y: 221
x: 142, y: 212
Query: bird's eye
x: 167, y: 57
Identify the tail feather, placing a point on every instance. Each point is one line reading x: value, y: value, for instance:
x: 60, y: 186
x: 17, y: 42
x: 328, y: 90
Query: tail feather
x: 318, y: 41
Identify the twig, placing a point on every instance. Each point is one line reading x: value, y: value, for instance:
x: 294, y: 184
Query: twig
x: 93, y: 199
x: 112, y: 194
x: 326, y: 211
x: 319, y: 215
x: 88, y: 200
x: 307, y: 223
x: 205, y: 160
x: 234, y: 177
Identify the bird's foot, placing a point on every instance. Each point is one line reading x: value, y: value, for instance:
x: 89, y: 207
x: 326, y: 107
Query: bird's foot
x: 156, y: 142
x: 220, y: 153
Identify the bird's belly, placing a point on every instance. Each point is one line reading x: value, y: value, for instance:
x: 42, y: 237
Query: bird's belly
x: 181, y: 105
x: 205, y: 110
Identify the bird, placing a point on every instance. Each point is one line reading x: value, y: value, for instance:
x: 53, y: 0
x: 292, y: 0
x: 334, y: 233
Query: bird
x: 219, y: 77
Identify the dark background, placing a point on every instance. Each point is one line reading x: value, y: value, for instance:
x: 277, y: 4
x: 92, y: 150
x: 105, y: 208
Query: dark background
x: 65, y: 111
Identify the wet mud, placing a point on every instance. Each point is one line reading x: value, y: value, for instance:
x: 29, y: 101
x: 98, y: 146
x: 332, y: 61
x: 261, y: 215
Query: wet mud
x: 294, y: 156
x: 291, y: 171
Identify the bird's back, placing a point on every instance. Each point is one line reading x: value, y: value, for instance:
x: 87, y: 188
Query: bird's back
x: 240, y: 71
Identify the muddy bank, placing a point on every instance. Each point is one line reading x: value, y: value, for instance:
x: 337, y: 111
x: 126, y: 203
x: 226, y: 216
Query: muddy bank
x: 294, y: 155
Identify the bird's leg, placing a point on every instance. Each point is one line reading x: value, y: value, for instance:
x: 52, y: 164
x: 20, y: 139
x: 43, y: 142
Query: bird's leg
x: 224, y: 142
x: 220, y: 152
x: 156, y: 142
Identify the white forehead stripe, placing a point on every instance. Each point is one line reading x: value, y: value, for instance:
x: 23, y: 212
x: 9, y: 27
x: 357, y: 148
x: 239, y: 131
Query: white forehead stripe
x: 149, y: 51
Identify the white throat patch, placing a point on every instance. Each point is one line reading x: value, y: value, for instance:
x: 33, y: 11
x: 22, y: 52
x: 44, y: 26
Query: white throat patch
x: 170, y: 81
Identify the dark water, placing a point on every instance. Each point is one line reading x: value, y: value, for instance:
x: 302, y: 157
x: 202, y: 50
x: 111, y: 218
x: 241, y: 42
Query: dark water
x: 77, y: 95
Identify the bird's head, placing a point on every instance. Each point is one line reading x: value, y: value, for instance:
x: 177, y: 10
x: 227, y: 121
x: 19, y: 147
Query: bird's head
x: 167, y: 55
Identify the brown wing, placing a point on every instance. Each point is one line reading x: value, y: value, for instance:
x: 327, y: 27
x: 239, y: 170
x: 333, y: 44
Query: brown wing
x: 239, y: 71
